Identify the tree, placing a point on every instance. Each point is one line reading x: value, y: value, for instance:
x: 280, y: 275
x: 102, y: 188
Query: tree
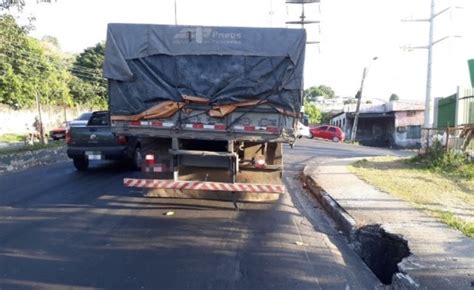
x: 88, y: 85
x: 8, y: 4
x: 51, y: 42
x: 325, y: 117
x: 324, y: 91
x: 313, y: 113
x: 27, y: 69
x: 350, y: 101
x: 18, y: 4
x: 327, y: 91
x: 394, y: 97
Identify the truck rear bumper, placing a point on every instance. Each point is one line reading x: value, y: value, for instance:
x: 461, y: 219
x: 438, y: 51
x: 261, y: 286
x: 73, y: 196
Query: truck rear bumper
x: 107, y: 153
x: 203, y: 185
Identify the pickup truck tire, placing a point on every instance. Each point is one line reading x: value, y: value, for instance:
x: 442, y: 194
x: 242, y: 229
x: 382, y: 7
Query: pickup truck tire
x: 80, y: 163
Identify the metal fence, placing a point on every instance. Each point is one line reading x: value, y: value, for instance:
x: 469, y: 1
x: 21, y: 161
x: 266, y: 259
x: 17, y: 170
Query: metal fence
x: 465, y: 110
x: 457, y: 139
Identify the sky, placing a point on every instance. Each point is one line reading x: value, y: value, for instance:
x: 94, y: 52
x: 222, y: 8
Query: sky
x: 350, y: 33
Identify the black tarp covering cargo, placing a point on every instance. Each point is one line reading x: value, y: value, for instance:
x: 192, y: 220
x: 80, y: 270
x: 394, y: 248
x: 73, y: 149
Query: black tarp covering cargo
x: 149, y: 64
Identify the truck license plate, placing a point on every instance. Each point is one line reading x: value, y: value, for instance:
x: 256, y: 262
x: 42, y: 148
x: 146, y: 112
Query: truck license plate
x: 94, y: 155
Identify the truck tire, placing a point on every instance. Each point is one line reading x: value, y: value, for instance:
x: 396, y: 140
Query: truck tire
x: 81, y: 163
x: 137, y: 158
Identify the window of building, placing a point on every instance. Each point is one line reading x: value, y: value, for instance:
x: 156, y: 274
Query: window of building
x: 413, y: 132
x: 401, y: 129
x: 411, y: 113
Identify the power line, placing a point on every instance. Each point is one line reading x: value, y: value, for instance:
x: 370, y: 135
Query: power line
x: 35, y: 56
x: 75, y: 72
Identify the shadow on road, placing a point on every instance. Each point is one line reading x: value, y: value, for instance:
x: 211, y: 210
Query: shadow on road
x: 63, y: 228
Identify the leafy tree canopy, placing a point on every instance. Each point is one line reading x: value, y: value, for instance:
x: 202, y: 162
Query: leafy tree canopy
x: 314, y: 114
x: 322, y: 90
x: 30, y: 67
x: 394, y: 97
x: 18, y: 4
x: 89, y: 86
x: 27, y: 69
x: 51, y: 42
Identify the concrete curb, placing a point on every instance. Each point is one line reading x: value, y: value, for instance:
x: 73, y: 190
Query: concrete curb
x: 21, y: 161
x: 349, y: 227
x: 345, y: 222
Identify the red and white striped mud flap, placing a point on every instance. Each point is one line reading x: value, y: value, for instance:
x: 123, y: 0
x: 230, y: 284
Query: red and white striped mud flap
x: 203, y: 185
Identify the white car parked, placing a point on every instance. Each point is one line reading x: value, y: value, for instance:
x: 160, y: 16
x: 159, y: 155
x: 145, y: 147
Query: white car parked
x: 303, y: 131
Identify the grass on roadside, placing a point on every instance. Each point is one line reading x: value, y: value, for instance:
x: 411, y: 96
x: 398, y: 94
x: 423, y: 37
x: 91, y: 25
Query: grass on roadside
x: 449, y: 196
x: 451, y: 220
x: 11, y: 138
x: 37, y: 146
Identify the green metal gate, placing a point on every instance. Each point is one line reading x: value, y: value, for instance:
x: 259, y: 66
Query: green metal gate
x: 447, y: 112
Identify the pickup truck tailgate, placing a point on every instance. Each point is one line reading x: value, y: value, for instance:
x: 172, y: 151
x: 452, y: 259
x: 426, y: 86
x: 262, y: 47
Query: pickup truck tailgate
x: 97, y: 133
x: 94, y: 136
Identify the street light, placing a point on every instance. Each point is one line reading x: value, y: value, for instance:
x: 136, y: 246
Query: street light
x: 359, y: 97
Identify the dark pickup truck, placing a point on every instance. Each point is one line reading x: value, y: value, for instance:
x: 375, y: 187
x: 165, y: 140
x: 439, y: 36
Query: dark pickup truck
x: 97, y: 142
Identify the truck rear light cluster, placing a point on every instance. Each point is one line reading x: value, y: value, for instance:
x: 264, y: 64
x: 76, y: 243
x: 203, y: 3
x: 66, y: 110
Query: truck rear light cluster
x: 122, y: 140
x: 260, y: 163
x: 150, y: 159
x: 272, y: 129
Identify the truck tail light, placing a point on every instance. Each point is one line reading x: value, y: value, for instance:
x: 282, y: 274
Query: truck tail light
x: 68, y: 136
x: 150, y: 159
x: 260, y: 163
x: 122, y: 140
x: 272, y: 129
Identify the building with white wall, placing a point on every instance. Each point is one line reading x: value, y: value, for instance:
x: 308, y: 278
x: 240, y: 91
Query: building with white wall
x: 393, y: 124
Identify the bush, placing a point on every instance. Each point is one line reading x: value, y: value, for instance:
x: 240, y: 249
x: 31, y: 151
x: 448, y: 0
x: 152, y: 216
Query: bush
x: 439, y: 160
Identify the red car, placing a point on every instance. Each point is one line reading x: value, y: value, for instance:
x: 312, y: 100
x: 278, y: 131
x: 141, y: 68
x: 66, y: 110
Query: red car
x: 59, y: 133
x: 328, y: 132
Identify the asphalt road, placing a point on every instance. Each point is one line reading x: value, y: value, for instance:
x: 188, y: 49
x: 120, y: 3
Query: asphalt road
x: 65, y: 229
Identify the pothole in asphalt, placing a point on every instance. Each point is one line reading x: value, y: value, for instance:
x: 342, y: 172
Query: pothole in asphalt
x: 380, y: 250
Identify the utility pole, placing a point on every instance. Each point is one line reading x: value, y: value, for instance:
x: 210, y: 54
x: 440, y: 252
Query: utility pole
x: 175, y: 13
x: 428, y: 122
x: 38, y: 107
x: 303, y: 21
x: 359, y: 98
x: 428, y: 116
